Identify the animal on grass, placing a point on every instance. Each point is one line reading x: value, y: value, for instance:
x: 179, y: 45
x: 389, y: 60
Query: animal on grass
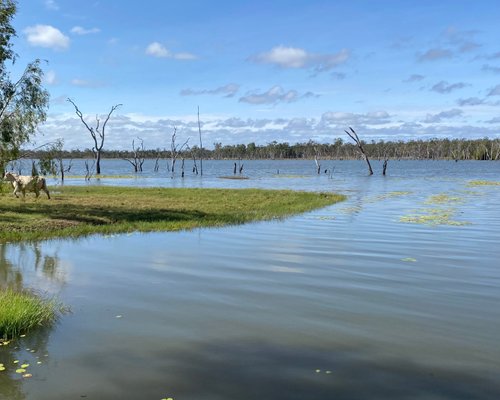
x: 23, y: 184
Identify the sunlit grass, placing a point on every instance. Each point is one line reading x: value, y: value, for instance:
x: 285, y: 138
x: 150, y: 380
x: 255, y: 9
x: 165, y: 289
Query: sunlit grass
x: 21, y: 311
x: 79, y: 211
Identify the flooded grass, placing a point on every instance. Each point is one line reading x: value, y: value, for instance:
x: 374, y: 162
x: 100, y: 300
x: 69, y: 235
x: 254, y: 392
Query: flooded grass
x: 21, y: 311
x: 433, y: 216
x: 104, y: 177
x: 443, y: 198
x: 483, y: 183
x: 443, y: 214
x: 235, y: 177
x: 386, y: 196
x: 80, y: 211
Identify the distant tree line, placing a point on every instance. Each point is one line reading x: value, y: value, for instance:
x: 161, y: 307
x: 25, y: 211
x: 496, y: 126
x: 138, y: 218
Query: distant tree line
x: 433, y: 149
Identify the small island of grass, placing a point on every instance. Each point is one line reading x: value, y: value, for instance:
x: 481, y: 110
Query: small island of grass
x: 80, y: 211
x: 22, y: 311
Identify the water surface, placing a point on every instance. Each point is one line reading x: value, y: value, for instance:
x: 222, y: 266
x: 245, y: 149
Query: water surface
x: 346, y: 302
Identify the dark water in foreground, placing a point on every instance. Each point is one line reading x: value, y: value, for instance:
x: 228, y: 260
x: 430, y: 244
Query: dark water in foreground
x: 346, y: 302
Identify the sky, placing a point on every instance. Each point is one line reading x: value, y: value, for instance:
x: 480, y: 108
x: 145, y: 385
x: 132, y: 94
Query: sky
x: 263, y: 71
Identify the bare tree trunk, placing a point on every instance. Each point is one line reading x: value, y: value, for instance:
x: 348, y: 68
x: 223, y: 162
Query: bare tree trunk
x: 175, y: 150
x: 318, y: 165
x: 354, y: 136
x: 98, y: 162
x: 384, y: 167
x: 201, y: 145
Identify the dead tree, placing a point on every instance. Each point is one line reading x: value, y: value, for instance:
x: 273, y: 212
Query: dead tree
x: 195, y: 165
x: 354, y: 136
x: 88, y: 170
x: 201, y: 145
x: 98, y: 133
x: 318, y: 165
x: 63, y: 169
x: 384, y: 166
x: 157, y: 162
x: 137, y: 159
x: 175, y: 150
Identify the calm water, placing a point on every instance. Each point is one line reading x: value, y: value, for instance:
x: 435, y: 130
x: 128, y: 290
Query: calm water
x: 346, y: 302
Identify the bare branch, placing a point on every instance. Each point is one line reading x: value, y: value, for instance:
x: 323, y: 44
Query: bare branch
x: 354, y: 136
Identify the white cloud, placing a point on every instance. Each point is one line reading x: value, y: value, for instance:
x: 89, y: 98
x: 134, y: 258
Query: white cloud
x: 470, y: 101
x: 434, y: 54
x: 86, y: 83
x: 434, y: 118
x: 228, y: 90
x: 344, y: 119
x: 275, y: 95
x: 184, y: 56
x: 123, y: 128
x: 445, y: 87
x: 286, y: 57
x: 51, y: 5
x: 46, y: 36
x: 156, y: 49
x: 78, y: 30
x: 293, y: 57
x: 494, y: 91
x: 414, y: 78
x: 50, y: 78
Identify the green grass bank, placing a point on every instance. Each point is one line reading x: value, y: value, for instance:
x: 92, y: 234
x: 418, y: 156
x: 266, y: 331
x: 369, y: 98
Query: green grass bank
x: 79, y: 211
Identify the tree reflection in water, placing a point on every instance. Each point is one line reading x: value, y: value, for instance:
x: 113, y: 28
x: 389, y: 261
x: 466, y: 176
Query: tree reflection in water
x: 26, y: 266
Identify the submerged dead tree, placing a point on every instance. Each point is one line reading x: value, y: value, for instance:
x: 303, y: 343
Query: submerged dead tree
x: 384, y: 166
x: 201, y: 145
x: 354, y: 136
x: 98, y: 133
x: 137, y: 159
x: 176, y: 149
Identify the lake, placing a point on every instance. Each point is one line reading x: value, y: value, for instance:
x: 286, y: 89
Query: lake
x: 392, y: 294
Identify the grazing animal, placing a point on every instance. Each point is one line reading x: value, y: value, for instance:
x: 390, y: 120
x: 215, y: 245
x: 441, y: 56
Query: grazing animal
x: 23, y: 183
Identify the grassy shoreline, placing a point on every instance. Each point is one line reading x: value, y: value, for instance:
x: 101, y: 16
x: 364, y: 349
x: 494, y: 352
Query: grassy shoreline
x: 78, y: 211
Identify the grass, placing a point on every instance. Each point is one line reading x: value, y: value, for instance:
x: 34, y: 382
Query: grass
x: 22, y: 311
x: 484, y: 183
x: 80, y: 211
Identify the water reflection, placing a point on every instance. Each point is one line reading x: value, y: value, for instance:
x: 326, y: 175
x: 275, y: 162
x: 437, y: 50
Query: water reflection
x: 21, y: 262
x: 31, y: 350
x: 20, y: 265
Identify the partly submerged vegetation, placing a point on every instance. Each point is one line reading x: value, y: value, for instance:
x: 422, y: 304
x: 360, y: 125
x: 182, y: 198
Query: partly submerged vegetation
x: 79, y: 211
x: 22, y: 311
x: 443, y: 214
x: 484, y: 183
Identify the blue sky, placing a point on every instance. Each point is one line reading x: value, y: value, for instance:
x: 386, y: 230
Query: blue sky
x: 266, y: 70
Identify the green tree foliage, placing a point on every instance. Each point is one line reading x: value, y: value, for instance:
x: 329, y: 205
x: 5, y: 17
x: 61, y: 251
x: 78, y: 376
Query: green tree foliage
x: 23, y: 101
